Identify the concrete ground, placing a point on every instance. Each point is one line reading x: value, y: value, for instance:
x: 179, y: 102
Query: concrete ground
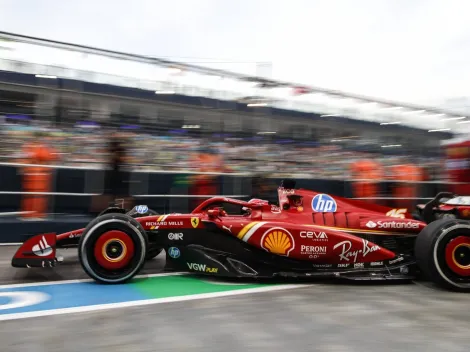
x: 322, y: 317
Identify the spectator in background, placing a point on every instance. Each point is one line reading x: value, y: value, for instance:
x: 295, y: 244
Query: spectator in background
x: 116, y: 182
x: 115, y: 189
x: 263, y: 188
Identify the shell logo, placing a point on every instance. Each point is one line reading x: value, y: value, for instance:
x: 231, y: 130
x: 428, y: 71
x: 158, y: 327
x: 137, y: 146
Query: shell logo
x: 277, y: 241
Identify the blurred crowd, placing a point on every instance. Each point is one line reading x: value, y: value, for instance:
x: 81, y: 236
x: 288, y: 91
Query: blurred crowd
x: 79, y: 147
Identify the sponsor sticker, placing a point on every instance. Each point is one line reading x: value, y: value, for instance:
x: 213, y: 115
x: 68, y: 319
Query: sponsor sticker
x: 42, y: 249
x: 163, y: 223
x: 397, y: 213
x: 314, y: 236
x: 74, y: 234
x: 347, y: 253
x: 359, y: 265
x: 371, y: 225
x: 343, y: 265
x: 174, y: 252
x: 313, y: 251
x: 278, y: 241
x: 275, y: 209
x: 322, y: 265
x: 397, y: 260
x: 392, y: 224
x: 376, y: 263
x: 175, y: 236
x: 323, y: 203
x: 203, y: 268
x: 194, y: 222
x: 141, y: 209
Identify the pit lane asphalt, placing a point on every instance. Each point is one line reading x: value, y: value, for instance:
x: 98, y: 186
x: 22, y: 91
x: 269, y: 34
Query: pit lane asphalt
x: 322, y: 317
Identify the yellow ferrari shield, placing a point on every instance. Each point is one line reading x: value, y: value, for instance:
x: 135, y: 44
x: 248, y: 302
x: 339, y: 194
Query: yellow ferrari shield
x: 194, y: 222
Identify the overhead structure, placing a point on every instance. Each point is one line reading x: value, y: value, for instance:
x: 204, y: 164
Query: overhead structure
x: 50, y: 59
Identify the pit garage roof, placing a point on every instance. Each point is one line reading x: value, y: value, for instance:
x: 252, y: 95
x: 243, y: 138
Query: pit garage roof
x: 53, y: 58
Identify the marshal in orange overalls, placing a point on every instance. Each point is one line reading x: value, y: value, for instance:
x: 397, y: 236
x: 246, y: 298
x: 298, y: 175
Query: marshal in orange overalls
x: 204, y: 184
x: 406, y: 187
x: 36, y: 178
x: 367, y: 174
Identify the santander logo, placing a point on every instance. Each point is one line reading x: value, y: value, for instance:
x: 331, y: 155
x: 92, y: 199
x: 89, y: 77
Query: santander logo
x: 392, y: 224
x: 371, y: 224
x: 42, y: 249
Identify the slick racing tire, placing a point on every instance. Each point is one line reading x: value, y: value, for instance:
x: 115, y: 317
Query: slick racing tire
x: 112, y: 248
x: 442, y: 251
x: 152, y: 251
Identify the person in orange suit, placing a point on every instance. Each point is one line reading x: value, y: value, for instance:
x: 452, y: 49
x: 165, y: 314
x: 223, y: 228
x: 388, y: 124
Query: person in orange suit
x: 36, y: 177
x: 406, y: 175
x: 366, y: 175
x: 205, y: 184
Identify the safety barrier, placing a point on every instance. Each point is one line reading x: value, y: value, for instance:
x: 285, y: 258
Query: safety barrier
x: 71, y: 199
x: 73, y: 188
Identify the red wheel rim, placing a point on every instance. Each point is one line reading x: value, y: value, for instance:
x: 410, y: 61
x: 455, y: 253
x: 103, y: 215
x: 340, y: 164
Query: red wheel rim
x: 458, y: 255
x: 114, y: 250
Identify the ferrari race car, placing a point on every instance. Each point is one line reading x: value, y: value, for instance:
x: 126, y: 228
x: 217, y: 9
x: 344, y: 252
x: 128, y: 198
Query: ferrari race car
x: 305, y: 235
x: 444, y: 205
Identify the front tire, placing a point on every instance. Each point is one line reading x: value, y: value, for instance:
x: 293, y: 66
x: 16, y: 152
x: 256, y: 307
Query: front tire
x: 113, y: 248
x: 152, y: 251
x: 442, y: 252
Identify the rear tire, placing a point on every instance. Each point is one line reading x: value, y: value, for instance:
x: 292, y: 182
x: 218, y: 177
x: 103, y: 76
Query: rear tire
x: 112, y: 248
x: 442, y: 251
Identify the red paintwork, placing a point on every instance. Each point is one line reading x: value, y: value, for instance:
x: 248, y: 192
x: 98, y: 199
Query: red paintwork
x: 70, y: 234
x: 449, y: 256
x: 298, y: 232
x: 463, y: 210
x: 45, y: 241
x: 101, y: 242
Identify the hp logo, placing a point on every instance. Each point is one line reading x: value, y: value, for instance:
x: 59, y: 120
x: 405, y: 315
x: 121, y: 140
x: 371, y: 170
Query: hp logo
x: 323, y: 203
x: 141, y: 209
x: 174, y: 252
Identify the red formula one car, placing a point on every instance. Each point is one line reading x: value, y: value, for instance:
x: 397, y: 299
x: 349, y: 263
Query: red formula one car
x: 306, y: 235
x: 444, y: 205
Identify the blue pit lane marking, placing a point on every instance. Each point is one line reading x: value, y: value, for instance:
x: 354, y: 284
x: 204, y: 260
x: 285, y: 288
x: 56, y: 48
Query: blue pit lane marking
x: 66, y: 296
x: 21, y: 301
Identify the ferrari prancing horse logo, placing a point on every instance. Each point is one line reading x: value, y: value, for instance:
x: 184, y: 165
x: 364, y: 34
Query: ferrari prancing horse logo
x: 194, y: 222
